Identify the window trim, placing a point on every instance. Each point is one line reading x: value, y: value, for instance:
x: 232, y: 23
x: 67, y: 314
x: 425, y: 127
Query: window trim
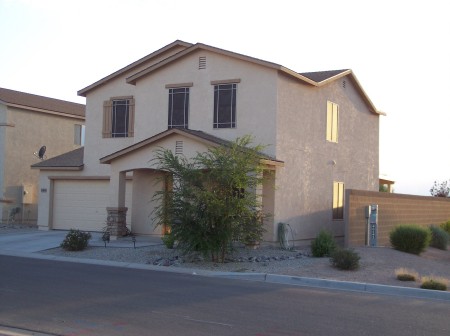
x: 332, y: 134
x: 338, y: 201
x: 108, y: 118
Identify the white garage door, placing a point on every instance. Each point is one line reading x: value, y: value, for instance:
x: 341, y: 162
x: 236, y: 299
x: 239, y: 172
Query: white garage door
x: 81, y: 204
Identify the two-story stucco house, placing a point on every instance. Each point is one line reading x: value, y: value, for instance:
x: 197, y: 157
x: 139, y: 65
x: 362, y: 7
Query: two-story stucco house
x: 27, y: 123
x: 321, y: 128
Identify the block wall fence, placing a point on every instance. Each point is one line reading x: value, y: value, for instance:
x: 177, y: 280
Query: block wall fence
x: 393, y: 210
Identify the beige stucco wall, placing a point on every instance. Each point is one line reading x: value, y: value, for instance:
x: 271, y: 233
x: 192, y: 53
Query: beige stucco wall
x: 96, y: 146
x: 145, y: 184
x: 255, y: 105
x: 31, y: 130
x: 305, y: 184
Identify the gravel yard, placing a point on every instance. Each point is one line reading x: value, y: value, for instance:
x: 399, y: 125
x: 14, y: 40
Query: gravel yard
x: 377, y: 265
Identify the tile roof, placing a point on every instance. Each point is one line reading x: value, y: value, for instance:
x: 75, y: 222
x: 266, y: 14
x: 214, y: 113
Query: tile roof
x: 320, y: 76
x: 72, y: 159
x: 31, y: 101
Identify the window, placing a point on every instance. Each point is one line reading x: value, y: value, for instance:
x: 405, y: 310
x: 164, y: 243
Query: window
x: 178, y: 108
x: 338, y: 200
x: 78, y: 135
x: 118, y: 117
x: 332, y: 121
x: 225, y: 106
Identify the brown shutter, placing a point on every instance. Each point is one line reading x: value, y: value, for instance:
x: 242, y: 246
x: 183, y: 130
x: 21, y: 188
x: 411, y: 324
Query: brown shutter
x: 107, y: 123
x: 131, y: 118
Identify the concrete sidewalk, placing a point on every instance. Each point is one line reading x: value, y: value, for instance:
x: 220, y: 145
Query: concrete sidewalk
x: 26, y: 242
x: 33, y: 240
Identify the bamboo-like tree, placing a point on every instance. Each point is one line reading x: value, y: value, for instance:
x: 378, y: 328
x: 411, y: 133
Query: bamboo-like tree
x: 213, y: 199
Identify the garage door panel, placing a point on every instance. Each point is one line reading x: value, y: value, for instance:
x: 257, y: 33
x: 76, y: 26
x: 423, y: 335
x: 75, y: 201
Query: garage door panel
x: 82, y: 204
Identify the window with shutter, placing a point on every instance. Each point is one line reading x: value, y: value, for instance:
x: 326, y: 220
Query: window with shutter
x: 118, y: 117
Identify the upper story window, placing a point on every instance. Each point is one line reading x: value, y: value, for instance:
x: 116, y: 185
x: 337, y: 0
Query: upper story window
x: 178, y: 108
x: 225, y: 103
x: 118, y: 117
x: 78, y: 134
x: 332, y: 121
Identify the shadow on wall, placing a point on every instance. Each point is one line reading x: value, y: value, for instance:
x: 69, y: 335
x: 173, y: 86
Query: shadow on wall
x: 306, y: 227
x: 21, y: 206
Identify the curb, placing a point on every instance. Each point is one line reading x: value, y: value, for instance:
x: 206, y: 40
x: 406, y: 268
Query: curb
x: 261, y: 277
x: 359, y: 287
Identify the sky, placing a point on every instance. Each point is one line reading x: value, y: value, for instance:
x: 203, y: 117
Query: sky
x: 399, y: 51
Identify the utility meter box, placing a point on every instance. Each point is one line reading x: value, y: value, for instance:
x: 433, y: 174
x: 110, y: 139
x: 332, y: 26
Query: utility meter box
x: 372, y: 225
x: 27, y: 192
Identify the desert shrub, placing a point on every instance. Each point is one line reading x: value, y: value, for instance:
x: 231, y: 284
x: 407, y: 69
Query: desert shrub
x: 434, y: 283
x: 404, y: 274
x: 446, y: 227
x: 345, y: 259
x: 209, y: 204
x: 168, y: 240
x: 410, y: 238
x: 439, y: 238
x: 323, y: 245
x: 75, y: 240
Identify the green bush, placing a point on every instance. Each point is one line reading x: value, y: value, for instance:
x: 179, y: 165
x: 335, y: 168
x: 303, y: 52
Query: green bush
x: 76, y: 240
x: 446, y: 227
x: 345, y: 259
x: 439, y: 238
x: 168, y: 240
x: 323, y: 245
x: 410, y: 238
x: 434, y: 283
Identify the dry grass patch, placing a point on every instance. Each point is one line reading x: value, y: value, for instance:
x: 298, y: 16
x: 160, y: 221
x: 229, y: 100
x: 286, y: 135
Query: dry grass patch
x: 404, y: 274
x: 435, y: 283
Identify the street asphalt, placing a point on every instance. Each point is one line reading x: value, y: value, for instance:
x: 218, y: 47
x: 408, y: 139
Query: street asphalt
x: 27, y: 243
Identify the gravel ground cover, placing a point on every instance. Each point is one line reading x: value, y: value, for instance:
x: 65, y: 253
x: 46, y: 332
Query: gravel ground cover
x: 377, y: 265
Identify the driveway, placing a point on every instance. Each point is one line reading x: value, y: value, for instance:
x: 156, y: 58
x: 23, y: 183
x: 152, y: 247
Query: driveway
x: 25, y: 239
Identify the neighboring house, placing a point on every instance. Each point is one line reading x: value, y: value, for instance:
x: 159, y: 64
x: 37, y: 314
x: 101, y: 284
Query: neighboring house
x: 27, y: 123
x: 321, y: 128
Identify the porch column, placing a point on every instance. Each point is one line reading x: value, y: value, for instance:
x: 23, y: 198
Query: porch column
x: 116, y: 219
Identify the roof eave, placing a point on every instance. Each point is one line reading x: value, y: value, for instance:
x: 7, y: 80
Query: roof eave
x: 134, y: 78
x: 106, y: 79
x: 109, y: 158
x: 335, y: 77
x: 65, y: 168
x: 36, y: 109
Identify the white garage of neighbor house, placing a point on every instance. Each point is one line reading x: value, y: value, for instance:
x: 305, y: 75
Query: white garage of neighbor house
x: 321, y: 128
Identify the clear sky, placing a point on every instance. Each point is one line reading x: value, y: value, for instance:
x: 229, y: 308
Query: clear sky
x: 399, y: 51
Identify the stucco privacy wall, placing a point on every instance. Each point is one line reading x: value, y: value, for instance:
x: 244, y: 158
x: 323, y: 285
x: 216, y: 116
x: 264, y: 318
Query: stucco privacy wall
x: 312, y: 164
x: 393, y: 210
